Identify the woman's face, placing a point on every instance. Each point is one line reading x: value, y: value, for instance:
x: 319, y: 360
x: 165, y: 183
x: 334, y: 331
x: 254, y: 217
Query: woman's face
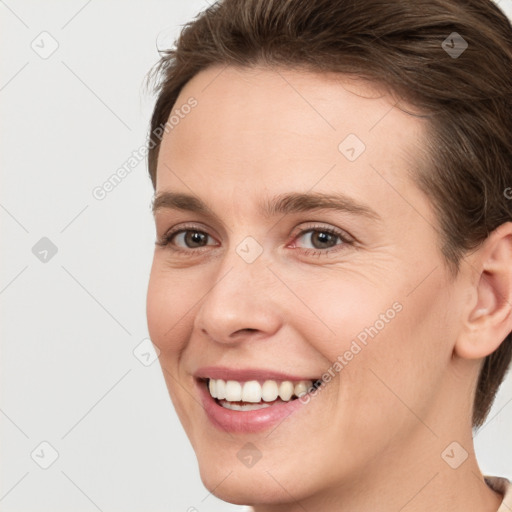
x: 257, y: 287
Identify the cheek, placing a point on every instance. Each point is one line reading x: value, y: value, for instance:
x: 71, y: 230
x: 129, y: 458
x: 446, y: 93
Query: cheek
x: 157, y: 304
x: 335, y: 312
x: 167, y: 303
x: 390, y: 344
x: 404, y: 365
x: 166, y: 309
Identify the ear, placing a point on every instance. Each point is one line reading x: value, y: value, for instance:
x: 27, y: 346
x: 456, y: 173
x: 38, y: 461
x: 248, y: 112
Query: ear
x: 489, y: 322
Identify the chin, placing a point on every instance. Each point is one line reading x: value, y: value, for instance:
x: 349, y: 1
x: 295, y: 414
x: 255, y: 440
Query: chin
x: 243, y: 486
x: 267, y: 482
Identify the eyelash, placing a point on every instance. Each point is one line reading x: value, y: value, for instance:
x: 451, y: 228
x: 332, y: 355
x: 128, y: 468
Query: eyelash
x: 165, y: 241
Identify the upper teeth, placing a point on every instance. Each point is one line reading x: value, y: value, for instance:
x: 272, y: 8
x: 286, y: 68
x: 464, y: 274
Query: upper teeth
x: 253, y: 391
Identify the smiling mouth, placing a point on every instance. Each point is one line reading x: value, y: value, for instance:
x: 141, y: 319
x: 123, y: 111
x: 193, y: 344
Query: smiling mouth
x: 253, y: 394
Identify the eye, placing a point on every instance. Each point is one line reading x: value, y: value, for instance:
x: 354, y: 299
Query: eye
x: 322, y: 240
x: 185, y: 239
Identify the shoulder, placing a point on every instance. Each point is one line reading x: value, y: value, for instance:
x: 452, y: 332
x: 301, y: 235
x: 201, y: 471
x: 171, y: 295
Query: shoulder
x: 504, y: 487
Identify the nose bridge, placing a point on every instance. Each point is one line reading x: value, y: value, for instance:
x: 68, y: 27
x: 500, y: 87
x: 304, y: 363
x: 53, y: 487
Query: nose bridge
x: 238, y: 297
x: 245, y: 260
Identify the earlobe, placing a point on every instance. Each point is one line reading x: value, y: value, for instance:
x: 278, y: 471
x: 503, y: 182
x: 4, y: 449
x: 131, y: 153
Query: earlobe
x: 489, y: 321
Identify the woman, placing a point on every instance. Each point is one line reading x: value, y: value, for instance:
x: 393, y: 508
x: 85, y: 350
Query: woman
x: 331, y: 290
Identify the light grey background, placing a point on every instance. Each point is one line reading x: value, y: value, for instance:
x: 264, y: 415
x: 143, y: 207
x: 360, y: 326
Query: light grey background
x: 70, y: 324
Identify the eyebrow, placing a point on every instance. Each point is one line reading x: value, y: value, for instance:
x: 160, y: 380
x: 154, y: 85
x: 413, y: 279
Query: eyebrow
x: 282, y: 204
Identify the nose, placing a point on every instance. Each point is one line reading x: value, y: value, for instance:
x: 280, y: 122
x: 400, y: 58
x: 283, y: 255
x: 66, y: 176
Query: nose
x: 241, y: 302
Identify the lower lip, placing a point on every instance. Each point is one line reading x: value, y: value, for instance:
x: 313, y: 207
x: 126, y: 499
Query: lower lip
x: 245, y: 421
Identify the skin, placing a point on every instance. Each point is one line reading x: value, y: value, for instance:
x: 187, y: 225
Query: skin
x: 372, y: 438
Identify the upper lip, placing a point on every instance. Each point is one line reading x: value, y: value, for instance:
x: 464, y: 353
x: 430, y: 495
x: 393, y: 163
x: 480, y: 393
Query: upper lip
x: 245, y: 374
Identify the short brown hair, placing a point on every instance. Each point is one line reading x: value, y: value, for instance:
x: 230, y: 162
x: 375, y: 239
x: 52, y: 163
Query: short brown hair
x: 467, y: 98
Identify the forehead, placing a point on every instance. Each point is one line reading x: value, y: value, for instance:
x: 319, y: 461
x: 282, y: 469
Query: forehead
x: 263, y: 128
